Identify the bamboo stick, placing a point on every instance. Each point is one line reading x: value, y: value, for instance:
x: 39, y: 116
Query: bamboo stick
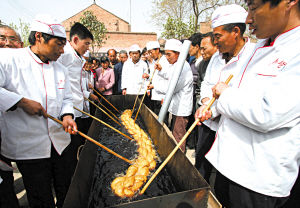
x: 104, y: 123
x: 180, y: 143
x: 106, y: 100
x: 137, y: 96
x: 103, y: 111
x: 94, y: 141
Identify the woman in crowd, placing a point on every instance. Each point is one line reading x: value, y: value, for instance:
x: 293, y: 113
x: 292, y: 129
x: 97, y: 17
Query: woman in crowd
x: 105, y: 77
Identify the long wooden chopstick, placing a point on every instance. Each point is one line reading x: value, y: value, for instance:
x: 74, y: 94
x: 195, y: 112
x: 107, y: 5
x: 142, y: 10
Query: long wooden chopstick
x: 180, y: 143
x: 109, y: 126
x: 94, y: 141
x: 103, y: 111
x: 105, y: 99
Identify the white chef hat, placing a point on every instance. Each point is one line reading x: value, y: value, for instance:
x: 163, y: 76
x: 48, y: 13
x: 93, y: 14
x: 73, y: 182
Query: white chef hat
x: 227, y: 14
x: 135, y: 47
x: 152, y: 45
x: 46, y: 24
x: 173, y: 45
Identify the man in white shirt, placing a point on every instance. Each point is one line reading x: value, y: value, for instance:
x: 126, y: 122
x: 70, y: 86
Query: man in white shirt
x: 132, y: 82
x: 228, y: 23
x: 153, y: 49
x: 182, y: 100
x: 32, y: 85
x: 72, y: 58
x: 257, y: 147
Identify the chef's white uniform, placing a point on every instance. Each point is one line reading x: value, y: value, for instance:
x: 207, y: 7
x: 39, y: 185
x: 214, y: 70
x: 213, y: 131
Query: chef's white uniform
x: 132, y: 77
x: 258, y: 141
x: 23, y: 74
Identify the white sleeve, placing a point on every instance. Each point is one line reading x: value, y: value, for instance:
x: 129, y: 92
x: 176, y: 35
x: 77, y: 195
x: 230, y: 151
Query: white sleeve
x: 272, y: 105
x: 67, y: 104
x: 7, y: 98
x: 124, y: 76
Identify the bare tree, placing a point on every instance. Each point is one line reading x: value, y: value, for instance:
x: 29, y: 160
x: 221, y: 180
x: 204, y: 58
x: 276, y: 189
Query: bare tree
x: 173, y: 16
x: 175, y: 9
x: 203, y: 7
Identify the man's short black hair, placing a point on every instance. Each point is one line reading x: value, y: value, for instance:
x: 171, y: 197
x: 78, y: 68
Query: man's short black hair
x: 229, y: 27
x: 81, y: 31
x: 144, y: 50
x: 211, y: 35
x: 46, y: 37
x: 196, y: 39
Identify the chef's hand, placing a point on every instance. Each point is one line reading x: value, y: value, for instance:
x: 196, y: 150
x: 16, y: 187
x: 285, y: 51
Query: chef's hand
x: 90, y: 86
x: 94, y: 98
x: 69, y: 125
x: 202, y: 115
x: 123, y: 92
x: 32, y: 107
x: 218, y: 89
x: 102, y: 89
x: 150, y: 86
x: 145, y: 76
x: 157, y: 66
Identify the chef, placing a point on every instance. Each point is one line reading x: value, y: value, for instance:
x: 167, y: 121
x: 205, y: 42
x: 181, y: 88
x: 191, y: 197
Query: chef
x: 132, y: 74
x: 72, y: 58
x: 257, y: 147
x: 33, y: 84
x: 228, y: 23
x: 161, y: 65
x: 182, y: 100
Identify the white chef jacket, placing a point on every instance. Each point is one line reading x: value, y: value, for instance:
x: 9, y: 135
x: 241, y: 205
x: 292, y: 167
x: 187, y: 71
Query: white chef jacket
x: 23, y: 74
x: 158, y: 75
x: 74, y: 64
x: 132, y: 79
x: 86, y: 79
x: 217, y: 71
x: 182, y: 99
x: 258, y: 141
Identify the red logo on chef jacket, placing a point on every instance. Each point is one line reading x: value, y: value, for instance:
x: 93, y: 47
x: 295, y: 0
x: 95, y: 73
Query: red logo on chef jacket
x: 61, y: 84
x: 278, y: 63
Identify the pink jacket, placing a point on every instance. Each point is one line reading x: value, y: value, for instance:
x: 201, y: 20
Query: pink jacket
x: 105, y: 79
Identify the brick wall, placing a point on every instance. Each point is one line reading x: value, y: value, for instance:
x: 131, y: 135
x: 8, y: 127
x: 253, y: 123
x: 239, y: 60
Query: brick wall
x: 121, y: 41
x: 111, y: 21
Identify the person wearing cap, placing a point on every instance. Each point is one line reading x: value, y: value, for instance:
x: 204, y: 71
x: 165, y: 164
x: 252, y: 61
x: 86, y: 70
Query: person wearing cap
x: 182, y: 100
x: 32, y: 85
x: 72, y: 58
x: 257, y: 148
x: 228, y: 23
x: 132, y: 74
x: 123, y: 56
x: 160, y: 60
x: 105, y: 77
x: 9, y: 38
